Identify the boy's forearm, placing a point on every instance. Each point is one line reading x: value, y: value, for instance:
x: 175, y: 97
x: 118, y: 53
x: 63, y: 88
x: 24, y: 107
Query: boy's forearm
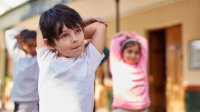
x: 97, y: 33
x: 90, y: 30
x: 92, y: 24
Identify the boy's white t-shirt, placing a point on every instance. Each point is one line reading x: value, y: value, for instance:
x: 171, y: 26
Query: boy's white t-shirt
x: 25, y: 70
x: 67, y: 84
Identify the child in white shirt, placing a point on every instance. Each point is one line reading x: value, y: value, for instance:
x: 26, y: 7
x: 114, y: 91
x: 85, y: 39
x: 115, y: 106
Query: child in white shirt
x: 67, y: 67
x: 21, y: 46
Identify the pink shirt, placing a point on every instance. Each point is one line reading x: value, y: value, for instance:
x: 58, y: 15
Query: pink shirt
x: 130, y: 82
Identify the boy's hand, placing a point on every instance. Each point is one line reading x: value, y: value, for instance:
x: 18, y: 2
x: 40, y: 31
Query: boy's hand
x: 88, y: 21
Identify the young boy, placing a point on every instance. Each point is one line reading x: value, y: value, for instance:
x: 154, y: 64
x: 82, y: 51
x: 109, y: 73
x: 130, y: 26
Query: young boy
x: 21, y: 46
x: 67, y: 67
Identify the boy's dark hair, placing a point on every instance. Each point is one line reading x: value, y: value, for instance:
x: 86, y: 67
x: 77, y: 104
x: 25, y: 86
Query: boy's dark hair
x: 28, y: 34
x: 53, y: 20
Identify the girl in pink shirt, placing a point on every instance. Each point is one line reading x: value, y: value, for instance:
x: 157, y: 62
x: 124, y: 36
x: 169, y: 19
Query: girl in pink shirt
x: 128, y: 63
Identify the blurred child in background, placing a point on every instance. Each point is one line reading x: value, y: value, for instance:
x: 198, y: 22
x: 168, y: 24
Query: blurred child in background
x: 128, y: 63
x: 21, y: 46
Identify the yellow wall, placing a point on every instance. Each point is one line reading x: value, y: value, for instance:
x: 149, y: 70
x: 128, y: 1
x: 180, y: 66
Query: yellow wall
x: 184, y: 12
x: 31, y: 23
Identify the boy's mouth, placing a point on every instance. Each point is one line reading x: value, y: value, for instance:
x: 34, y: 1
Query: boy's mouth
x: 76, y: 47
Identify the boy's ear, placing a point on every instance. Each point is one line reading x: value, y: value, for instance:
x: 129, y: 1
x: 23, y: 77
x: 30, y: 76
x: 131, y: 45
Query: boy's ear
x: 45, y: 41
x: 50, y: 47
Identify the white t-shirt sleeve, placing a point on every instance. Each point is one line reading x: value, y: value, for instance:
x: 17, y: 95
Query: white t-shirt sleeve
x: 94, y: 57
x: 44, y: 56
x: 11, y: 42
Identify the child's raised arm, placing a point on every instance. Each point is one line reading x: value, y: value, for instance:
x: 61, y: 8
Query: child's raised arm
x: 13, y: 41
x: 115, y: 45
x: 96, y: 30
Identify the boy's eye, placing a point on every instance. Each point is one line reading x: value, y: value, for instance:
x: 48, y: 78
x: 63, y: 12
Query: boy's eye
x: 64, y: 35
x: 78, y: 30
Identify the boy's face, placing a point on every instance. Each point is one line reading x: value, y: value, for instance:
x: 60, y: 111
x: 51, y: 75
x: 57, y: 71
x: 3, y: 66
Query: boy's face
x: 70, y: 42
x: 29, y: 46
x: 131, y: 54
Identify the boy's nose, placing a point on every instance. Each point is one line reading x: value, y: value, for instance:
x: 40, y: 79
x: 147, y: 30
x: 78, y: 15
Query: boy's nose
x: 74, y: 39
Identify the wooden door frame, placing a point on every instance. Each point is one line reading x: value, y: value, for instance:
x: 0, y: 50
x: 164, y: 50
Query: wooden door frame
x: 167, y: 75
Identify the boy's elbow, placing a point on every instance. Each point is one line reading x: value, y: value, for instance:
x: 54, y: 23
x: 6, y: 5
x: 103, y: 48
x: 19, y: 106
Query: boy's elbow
x: 101, y: 26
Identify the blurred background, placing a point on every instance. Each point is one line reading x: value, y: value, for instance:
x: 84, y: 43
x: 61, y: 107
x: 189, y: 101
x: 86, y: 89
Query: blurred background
x: 172, y: 28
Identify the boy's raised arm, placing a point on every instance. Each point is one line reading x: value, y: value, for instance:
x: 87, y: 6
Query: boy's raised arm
x: 97, y: 32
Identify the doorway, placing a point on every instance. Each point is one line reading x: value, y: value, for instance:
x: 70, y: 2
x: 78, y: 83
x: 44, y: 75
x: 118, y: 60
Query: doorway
x: 157, y: 70
x: 165, y: 69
